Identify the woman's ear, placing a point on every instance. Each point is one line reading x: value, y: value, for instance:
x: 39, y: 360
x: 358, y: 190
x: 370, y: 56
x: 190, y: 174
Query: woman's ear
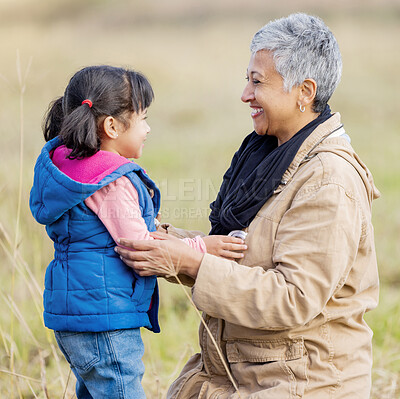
x: 110, y: 127
x: 308, y: 90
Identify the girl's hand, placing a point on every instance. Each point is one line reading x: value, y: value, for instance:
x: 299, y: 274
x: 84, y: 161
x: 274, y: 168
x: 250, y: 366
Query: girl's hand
x: 158, y: 222
x: 225, y: 246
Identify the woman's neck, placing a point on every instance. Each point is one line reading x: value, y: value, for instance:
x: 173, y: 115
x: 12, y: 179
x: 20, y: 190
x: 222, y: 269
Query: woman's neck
x: 303, y: 120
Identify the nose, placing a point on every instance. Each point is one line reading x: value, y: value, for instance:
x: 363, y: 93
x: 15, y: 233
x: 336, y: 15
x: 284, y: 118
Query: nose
x: 148, y: 128
x: 248, y: 93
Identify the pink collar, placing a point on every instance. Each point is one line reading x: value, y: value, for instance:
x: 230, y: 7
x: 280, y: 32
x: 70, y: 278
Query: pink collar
x: 87, y: 170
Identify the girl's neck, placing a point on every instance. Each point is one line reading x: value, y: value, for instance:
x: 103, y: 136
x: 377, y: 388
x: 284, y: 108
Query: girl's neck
x: 107, y: 145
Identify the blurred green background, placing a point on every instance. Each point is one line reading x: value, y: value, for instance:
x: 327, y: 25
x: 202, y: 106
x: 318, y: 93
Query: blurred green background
x: 195, y: 54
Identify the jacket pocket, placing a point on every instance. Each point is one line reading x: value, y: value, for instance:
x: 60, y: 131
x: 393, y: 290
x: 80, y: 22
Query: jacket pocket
x: 275, y: 368
x: 137, y: 288
x: 143, y: 289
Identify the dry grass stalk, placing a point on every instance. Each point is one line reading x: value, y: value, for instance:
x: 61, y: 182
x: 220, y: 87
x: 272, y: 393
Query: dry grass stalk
x: 162, y: 393
x: 221, y: 356
x: 386, y: 385
x: 3, y: 337
x: 22, y: 86
x: 179, y: 362
x: 36, y: 294
x: 43, y: 374
x: 30, y: 387
x: 14, y: 308
x: 29, y: 279
x: 6, y: 237
x: 25, y: 377
x: 169, y: 270
x: 156, y: 378
x: 58, y: 365
x: 66, y: 385
x: 31, y: 284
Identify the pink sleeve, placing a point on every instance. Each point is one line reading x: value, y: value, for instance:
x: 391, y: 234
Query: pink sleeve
x: 196, y: 243
x: 117, y: 206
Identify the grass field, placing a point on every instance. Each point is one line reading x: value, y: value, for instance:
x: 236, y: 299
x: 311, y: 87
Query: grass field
x: 196, y: 55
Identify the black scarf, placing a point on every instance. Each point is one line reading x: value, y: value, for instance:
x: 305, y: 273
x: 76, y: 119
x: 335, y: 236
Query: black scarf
x: 255, y: 172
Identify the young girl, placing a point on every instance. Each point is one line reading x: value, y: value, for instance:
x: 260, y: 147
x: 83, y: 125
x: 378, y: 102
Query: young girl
x: 88, y: 194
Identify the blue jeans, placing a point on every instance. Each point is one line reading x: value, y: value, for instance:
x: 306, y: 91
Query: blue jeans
x: 106, y: 364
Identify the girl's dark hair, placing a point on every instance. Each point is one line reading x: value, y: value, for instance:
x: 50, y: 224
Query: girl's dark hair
x: 113, y: 91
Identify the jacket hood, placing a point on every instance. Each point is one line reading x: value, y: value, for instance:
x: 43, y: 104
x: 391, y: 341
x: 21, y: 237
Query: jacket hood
x: 328, y: 137
x: 54, y: 193
x: 343, y: 148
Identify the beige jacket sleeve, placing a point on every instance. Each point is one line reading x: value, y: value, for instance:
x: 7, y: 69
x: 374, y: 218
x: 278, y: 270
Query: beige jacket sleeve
x: 314, y: 249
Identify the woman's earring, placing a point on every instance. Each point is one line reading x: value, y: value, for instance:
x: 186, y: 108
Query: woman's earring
x: 116, y: 135
x: 302, y: 108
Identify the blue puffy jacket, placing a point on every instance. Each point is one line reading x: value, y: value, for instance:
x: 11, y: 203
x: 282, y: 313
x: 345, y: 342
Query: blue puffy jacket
x: 87, y: 286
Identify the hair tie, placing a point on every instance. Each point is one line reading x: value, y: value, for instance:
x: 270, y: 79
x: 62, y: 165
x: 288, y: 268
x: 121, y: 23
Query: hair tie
x: 88, y: 102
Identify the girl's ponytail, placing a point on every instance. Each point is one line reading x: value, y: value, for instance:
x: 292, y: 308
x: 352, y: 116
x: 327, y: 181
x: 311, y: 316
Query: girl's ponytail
x: 53, y: 120
x: 79, y: 132
x: 92, y: 94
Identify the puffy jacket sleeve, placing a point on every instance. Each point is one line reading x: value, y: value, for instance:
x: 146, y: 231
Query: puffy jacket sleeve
x: 315, y: 246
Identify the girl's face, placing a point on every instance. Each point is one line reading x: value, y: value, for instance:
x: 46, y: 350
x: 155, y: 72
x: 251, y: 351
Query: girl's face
x: 130, y: 142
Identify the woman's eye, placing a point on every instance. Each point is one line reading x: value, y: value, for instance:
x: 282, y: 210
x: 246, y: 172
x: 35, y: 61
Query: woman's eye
x: 254, y: 81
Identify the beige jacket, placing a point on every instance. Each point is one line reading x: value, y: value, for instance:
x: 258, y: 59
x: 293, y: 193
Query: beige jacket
x: 289, y: 317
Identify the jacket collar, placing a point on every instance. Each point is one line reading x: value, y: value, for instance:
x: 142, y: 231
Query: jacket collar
x: 306, y: 151
x: 54, y: 193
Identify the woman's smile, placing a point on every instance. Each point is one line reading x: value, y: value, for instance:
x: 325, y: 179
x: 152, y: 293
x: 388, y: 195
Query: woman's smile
x: 257, y: 111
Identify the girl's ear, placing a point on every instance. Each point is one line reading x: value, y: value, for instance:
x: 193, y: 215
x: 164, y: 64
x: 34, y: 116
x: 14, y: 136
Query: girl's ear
x: 110, y: 127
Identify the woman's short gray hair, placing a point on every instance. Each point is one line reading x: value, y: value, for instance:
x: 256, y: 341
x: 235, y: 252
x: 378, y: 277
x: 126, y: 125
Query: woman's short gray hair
x: 303, y: 47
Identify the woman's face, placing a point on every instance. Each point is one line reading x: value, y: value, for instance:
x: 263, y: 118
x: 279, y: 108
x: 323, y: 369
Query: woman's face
x: 275, y: 111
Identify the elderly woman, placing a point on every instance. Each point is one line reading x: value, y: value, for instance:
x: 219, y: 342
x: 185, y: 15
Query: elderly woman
x: 287, y: 317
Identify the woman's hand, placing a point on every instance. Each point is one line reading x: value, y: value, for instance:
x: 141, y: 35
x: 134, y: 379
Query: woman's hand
x: 225, y: 246
x: 166, y: 256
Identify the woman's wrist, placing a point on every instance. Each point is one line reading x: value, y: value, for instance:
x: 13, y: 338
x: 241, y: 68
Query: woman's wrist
x: 192, y: 264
